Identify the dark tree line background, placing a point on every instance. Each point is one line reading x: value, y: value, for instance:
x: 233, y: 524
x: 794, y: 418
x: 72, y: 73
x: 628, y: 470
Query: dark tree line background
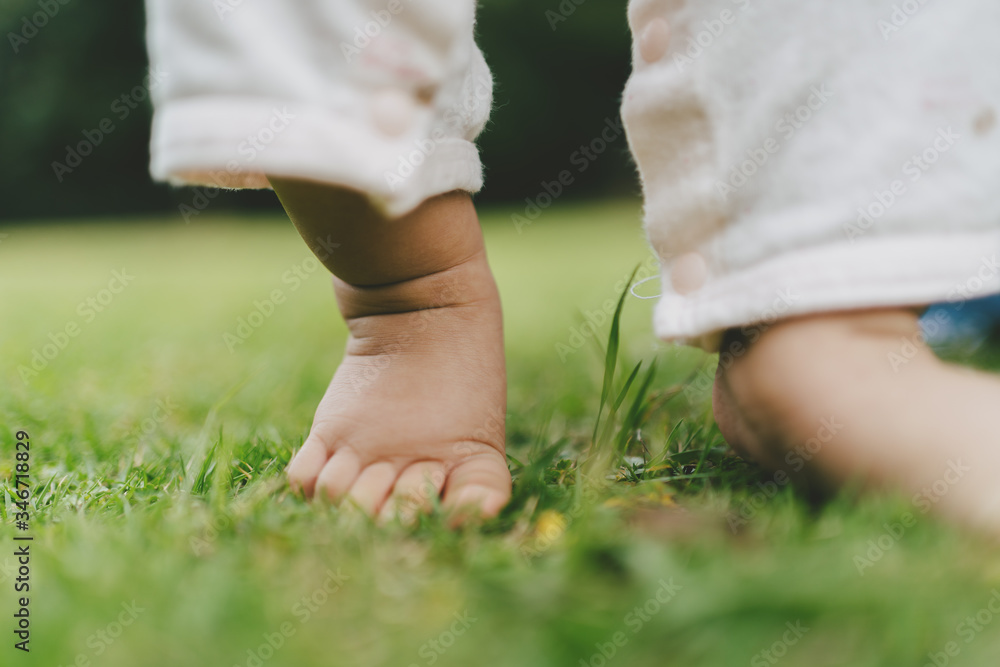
x: 555, y: 89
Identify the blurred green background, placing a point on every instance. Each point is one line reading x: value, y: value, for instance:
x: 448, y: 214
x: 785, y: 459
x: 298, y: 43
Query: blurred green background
x: 555, y: 88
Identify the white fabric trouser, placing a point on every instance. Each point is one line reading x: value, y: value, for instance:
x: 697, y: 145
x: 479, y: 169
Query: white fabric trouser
x: 796, y: 157
x: 382, y: 96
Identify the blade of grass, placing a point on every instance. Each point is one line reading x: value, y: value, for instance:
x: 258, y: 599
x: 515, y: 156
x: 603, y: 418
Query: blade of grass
x: 637, y: 408
x: 670, y: 438
x: 624, y: 391
x: 611, y: 358
x: 704, y: 455
x: 609, y: 421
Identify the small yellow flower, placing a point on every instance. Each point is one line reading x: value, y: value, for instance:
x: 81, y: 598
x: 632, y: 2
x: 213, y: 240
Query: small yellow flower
x: 551, y: 525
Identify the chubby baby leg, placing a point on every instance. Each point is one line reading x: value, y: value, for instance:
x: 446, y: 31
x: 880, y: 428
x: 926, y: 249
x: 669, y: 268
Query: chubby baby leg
x: 858, y: 396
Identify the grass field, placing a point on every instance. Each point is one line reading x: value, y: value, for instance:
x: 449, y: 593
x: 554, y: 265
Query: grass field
x: 164, y: 535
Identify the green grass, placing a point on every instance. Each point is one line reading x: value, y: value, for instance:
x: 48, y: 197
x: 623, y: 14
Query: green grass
x: 157, y: 455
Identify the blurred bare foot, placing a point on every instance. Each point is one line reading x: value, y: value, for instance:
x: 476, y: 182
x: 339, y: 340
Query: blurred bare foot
x: 858, y: 396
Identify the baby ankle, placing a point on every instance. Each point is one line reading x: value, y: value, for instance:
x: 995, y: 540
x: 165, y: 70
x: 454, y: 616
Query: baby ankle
x: 465, y: 283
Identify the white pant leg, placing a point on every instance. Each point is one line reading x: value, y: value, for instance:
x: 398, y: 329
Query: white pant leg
x: 799, y: 157
x: 381, y: 96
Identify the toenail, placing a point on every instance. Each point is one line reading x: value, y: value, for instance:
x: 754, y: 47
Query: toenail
x: 393, y: 111
x: 654, y: 40
x: 688, y: 273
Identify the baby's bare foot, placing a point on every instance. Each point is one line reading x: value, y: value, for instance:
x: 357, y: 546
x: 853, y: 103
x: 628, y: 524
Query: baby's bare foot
x: 417, y: 406
x: 416, y: 409
x: 858, y: 396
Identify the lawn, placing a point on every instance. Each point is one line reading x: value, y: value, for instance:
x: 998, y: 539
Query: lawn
x: 164, y: 534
